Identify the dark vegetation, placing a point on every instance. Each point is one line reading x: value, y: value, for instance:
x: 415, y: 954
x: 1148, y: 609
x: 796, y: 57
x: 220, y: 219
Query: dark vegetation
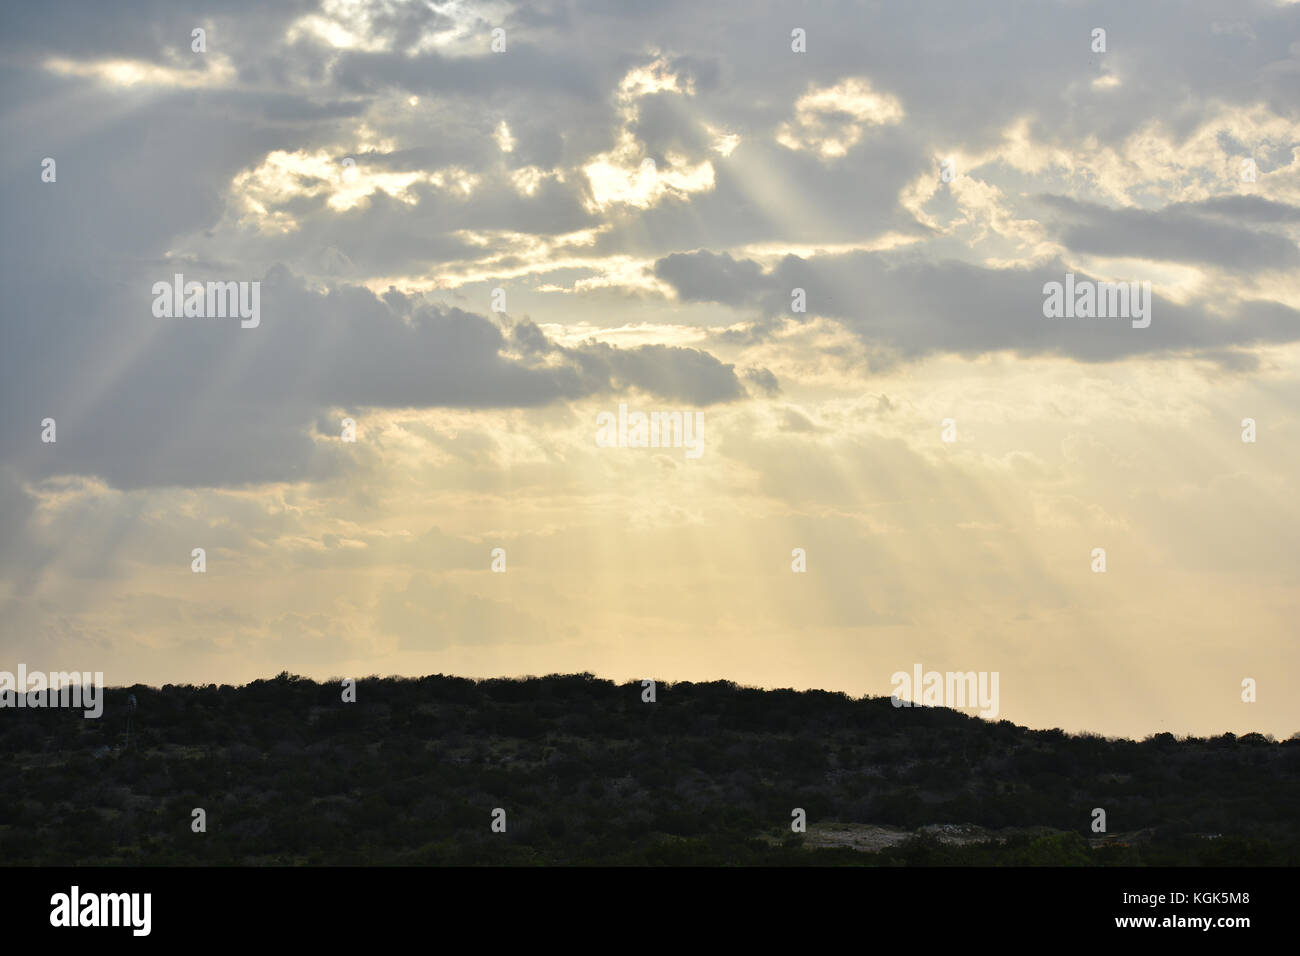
x: 588, y: 773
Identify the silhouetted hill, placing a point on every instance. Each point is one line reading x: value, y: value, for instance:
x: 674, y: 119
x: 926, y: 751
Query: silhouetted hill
x: 589, y: 773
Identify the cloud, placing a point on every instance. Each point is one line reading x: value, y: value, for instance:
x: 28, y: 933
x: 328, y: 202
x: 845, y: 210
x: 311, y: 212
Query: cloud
x: 239, y: 400
x: 916, y: 308
x: 710, y: 277
x: 1186, y: 232
x: 830, y: 121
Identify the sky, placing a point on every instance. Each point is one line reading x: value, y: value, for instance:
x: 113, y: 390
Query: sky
x: 821, y: 233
